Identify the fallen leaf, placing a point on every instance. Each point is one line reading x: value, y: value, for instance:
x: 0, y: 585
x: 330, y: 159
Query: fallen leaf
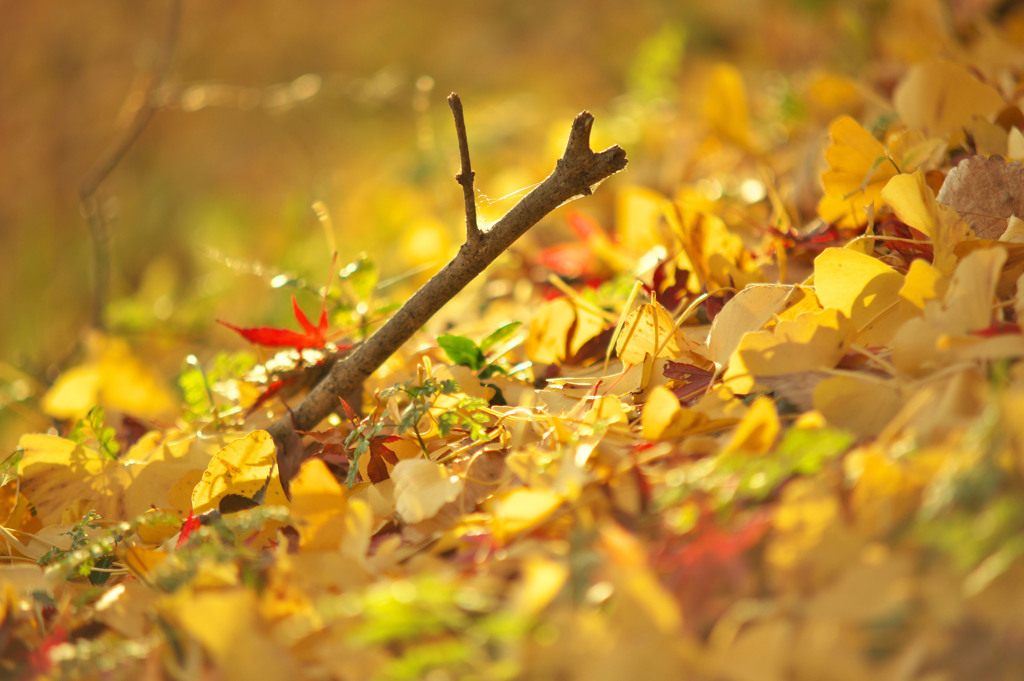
x: 942, y: 96
x: 422, y: 487
x: 811, y: 341
x: 915, y: 204
x: 862, y: 406
x: 521, y: 509
x: 230, y: 628
x: 749, y: 310
x: 986, y: 192
x: 649, y: 331
x: 865, y: 290
x: 858, y: 167
x: 757, y: 432
x: 559, y: 329
x: 56, y: 474
x: 318, y: 507
x: 243, y: 468
x: 112, y: 376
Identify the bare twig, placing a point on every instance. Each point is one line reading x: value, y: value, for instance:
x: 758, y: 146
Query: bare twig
x: 112, y: 156
x: 575, y: 174
x: 465, y: 177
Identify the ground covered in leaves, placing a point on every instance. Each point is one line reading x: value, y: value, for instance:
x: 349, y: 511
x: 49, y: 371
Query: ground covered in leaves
x: 763, y: 424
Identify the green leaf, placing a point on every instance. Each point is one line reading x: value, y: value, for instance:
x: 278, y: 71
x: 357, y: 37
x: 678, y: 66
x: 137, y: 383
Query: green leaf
x: 362, y: 275
x: 462, y: 350
x: 498, y: 335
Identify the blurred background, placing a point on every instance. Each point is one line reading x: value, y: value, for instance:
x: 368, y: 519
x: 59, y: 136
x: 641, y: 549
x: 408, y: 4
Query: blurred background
x: 287, y: 129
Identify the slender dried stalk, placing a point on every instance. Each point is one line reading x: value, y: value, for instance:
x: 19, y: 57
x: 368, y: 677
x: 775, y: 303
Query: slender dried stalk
x: 112, y: 156
x: 575, y: 174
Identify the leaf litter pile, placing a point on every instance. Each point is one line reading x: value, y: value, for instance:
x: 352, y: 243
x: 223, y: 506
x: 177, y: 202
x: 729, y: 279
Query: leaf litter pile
x: 764, y: 424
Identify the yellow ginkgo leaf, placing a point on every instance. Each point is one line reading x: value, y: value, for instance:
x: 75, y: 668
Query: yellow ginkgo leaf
x: 649, y: 331
x: 55, y: 474
x: 865, y: 290
x: 942, y: 96
x: 608, y: 409
x: 521, y: 509
x: 549, y: 338
x: 863, y: 407
x: 113, y: 377
x: 757, y: 432
x: 228, y: 624
x: 638, y: 212
x: 969, y: 301
x: 541, y: 582
x: 664, y: 418
x: 858, y: 168
x: 914, y: 203
x: 923, y: 282
x: 242, y: 468
x: 318, y: 506
x: 714, y: 254
x: 632, y: 575
x: 422, y: 487
x: 814, y: 340
x: 749, y: 310
x: 725, y: 105
x: 887, y: 489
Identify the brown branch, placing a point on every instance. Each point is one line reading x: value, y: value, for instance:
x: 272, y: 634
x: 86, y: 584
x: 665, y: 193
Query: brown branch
x: 112, y: 156
x: 465, y: 177
x: 575, y: 174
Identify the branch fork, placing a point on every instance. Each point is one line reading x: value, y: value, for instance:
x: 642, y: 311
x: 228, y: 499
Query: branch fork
x: 576, y: 173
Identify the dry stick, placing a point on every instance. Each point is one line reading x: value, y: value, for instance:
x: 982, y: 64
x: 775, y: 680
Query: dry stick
x: 575, y: 174
x: 109, y: 160
x: 465, y: 178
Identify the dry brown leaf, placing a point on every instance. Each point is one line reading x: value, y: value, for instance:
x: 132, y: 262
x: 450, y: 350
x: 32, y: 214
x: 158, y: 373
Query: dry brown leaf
x: 985, y: 192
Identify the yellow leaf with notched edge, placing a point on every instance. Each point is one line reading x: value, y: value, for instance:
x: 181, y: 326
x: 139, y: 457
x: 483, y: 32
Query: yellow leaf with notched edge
x: 813, y: 340
x: 970, y: 299
x: 242, y: 468
x: 422, y: 487
x: 858, y: 168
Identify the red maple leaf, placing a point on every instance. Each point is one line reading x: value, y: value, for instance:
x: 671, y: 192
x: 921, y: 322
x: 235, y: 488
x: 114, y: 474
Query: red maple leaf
x: 578, y: 260
x: 312, y: 336
x: 39, y: 659
x: 190, y: 525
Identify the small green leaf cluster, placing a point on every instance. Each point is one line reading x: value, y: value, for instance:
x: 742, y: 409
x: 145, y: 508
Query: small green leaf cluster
x: 197, y: 381
x: 91, y: 431
x: 88, y: 558
x: 465, y: 352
